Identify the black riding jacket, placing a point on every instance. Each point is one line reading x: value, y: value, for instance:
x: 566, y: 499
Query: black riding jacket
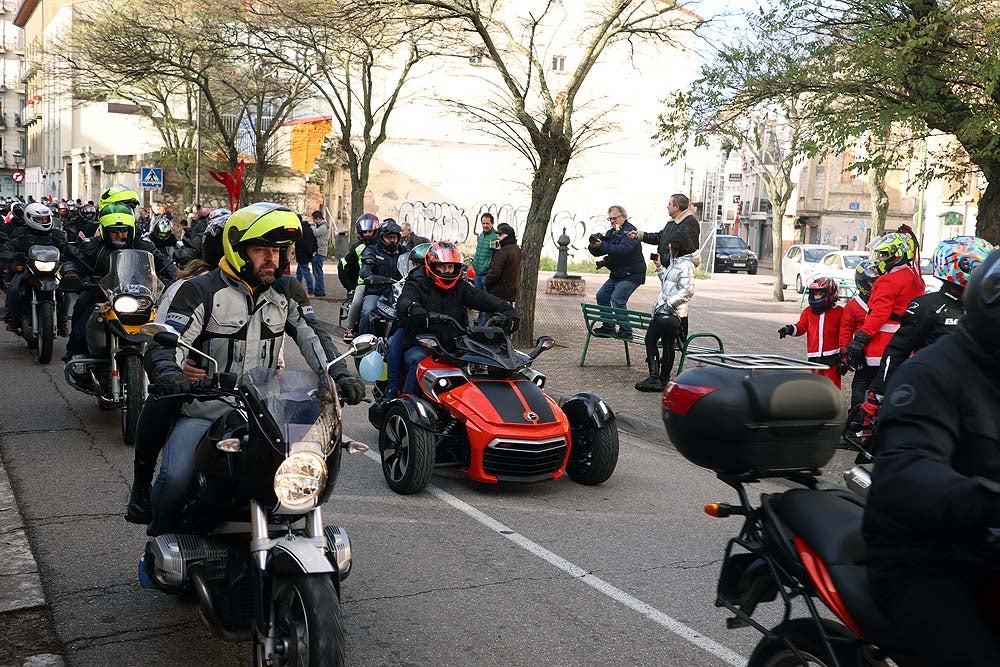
x: 936, y: 482
x: 375, y: 261
x: 93, y: 257
x: 420, y: 291
x: 926, y: 319
x: 24, y: 237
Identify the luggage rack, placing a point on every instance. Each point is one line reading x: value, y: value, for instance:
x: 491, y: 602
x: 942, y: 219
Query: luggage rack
x: 757, y: 362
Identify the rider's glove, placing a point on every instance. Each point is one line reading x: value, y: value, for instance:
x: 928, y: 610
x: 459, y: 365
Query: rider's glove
x: 856, y: 350
x: 419, y: 317
x: 869, y: 411
x: 170, y: 382
x: 511, y: 322
x: 351, y: 389
x: 786, y: 330
x: 842, y: 363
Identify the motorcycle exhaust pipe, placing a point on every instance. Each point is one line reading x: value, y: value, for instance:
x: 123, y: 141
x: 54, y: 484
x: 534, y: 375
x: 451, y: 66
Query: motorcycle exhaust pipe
x: 209, y: 615
x: 858, y: 480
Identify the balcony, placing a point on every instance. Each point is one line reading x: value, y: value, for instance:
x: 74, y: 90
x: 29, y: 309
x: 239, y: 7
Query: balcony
x: 3, y: 120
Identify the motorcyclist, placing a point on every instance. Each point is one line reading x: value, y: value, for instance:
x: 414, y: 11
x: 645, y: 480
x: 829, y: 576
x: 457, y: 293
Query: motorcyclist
x: 162, y: 236
x: 87, y: 221
x: 14, y: 219
x: 933, y: 508
x: 238, y: 314
x: 855, y: 312
x: 92, y: 259
x: 349, y: 271
x: 379, y: 269
x: 898, y: 284
x: 37, y: 230
x: 441, y: 290
x: 930, y: 316
x: 395, y: 369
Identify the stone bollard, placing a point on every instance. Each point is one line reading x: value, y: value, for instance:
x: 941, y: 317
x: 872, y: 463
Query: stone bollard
x: 561, y: 283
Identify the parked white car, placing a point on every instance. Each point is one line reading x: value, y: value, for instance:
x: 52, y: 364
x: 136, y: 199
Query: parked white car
x: 801, y: 261
x: 840, y: 265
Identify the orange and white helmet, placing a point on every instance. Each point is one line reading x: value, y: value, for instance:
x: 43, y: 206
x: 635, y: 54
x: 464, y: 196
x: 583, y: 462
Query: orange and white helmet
x: 443, y: 263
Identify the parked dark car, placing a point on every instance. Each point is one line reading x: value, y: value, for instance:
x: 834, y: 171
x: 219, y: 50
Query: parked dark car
x: 732, y: 254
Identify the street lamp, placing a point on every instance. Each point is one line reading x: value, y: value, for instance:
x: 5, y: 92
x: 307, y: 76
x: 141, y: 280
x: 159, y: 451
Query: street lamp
x: 17, y: 167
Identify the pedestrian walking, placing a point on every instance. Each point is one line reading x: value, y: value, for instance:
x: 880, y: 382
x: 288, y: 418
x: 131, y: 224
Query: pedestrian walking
x: 623, y: 255
x: 305, y: 250
x: 485, y: 247
x: 321, y: 230
x: 683, y: 221
x: 411, y: 239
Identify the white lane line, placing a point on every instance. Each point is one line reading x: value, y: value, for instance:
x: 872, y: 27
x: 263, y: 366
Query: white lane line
x: 670, y: 623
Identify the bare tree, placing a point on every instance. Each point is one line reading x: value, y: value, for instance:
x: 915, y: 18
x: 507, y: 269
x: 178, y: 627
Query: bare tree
x: 536, y: 113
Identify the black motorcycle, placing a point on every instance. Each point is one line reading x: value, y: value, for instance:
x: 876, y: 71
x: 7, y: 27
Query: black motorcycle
x: 39, y: 289
x: 753, y: 417
x: 253, y: 549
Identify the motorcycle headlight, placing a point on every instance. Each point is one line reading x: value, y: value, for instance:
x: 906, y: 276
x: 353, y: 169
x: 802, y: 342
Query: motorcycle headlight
x: 45, y: 267
x: 299, y: 480
x: 126, y: 304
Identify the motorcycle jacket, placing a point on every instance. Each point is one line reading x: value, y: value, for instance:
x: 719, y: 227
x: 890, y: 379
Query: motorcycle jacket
x: 927, y: 318
x: 936, y: 483
x: 93, y: 257
x: 420, y: 293
x: 350, y: 266
x: 240, y: 327
x: 375, y: 261
x: 855, y: 312
x: 891, y: 294
x: 822, y: 334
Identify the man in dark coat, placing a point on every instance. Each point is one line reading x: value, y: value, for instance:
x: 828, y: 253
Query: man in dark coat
x: 683, y: 221
x: 501, y: 280
x: 305, y: 249
x: 623, y: 255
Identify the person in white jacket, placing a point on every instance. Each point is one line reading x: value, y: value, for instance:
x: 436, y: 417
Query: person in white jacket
x: 676, y: 290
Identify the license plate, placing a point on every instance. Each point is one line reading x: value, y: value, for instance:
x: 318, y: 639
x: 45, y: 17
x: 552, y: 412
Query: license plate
x: 739, y: 263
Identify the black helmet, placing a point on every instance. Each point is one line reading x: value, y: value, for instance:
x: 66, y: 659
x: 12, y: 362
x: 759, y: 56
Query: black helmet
x: 388, y: 228
x: 17, y: 213
x: 982, y: 303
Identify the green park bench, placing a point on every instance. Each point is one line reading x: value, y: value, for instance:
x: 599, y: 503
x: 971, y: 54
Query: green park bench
x: 595, y: 315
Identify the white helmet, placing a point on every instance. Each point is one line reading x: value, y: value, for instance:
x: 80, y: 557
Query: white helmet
x: 38, y: 216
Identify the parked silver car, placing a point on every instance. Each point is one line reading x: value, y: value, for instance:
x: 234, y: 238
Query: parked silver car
x: 801, y: 261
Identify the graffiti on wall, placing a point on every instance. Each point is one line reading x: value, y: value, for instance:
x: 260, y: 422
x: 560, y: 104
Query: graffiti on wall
x: 444, y: 220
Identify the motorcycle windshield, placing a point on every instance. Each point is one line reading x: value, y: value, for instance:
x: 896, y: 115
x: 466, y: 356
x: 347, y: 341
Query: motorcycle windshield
x: 43, y: 253
x: 299, y: 408
x: 132, y: 272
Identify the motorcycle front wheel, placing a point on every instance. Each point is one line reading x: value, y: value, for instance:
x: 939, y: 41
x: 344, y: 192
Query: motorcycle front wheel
x: 804, y: 635
x: 596, y: 467
x: 133, y: 384
x: 308, y: 626
x: 46, y: 331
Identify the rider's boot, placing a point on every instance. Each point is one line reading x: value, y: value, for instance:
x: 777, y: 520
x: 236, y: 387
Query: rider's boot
x: 63, y: 328
x: 664, y: 373
x: 140, y: 504
x: 652, y: 383
x: 12, y: 326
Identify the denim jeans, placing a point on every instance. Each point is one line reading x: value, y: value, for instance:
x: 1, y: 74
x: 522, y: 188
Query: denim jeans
x: 318, y: 278
x: 413, y: 356
x: 394, y: 360
x: 367, y: 306
x: 616, y: 293
x: 304, y: 275
x: 176, y: 474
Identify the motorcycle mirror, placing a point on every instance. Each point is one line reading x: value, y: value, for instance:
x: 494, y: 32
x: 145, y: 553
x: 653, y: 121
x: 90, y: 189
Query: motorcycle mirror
x: 545, y: 342
x: 230, y: 445
x: 430, y: 342
x: 363, y: 344
x: 166, y: 339
x: 355, y: 447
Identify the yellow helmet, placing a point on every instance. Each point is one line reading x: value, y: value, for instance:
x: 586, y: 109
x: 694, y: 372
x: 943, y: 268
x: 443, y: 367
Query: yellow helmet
x: 118, y: 218
x: 118, y: 194
x: 264, y: 224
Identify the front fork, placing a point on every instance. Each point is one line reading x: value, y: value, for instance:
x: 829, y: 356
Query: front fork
x: 116, y: 381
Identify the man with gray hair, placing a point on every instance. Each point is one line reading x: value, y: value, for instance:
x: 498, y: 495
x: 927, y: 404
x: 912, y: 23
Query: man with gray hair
x: 683, y: 222
x: 409, y: 239
x: 622, y: 255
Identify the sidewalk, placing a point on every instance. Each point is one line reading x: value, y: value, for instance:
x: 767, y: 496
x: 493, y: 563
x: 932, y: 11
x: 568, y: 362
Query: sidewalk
x: 27, y: 638
x: 736, y: 307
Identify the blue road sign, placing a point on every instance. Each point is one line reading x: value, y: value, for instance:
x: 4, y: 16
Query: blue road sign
x: 151, y: 178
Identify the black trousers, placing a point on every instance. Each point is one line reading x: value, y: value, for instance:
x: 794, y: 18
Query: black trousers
x: 662, y: 331
x: 85, y: 303
x: 940, y: 616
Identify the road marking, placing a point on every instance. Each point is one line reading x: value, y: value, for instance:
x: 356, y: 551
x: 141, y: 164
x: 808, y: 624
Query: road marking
x: 670, y: 623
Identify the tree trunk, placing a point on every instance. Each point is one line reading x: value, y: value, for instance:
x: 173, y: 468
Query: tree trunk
x: 545, y: 185
x: 777, y: 234
x: 988, y: 218
x: 879, y: 200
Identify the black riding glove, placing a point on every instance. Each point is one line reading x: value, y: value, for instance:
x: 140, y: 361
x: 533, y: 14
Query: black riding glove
x: 171, y: 381
x: 351, y: 389
x: 786, y: 330
x: 511, y: 322
x: 419, y: 318
x: 856, y: 350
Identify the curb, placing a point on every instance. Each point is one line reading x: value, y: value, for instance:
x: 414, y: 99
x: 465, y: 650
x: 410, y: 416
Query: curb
x: 24, y: 616
x: 640, y: 427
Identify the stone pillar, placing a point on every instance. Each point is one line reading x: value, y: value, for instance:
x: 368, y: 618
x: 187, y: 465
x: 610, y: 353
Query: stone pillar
x: 561, y: 283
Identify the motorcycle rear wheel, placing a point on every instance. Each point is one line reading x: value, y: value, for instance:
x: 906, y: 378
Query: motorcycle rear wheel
x: 804, y: 635
x: 46, y: 331
x: 133, y: 383
x: 308, y: 624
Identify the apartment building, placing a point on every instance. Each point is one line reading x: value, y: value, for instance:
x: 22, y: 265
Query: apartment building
x: 12, y: 100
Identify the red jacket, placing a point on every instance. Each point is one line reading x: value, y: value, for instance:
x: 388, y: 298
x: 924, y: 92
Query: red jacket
x: 822, y: 334
x: 891, y: 294
x: 855, y: 312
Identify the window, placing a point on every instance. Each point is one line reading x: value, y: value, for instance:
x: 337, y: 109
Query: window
x: 830, y: 260
x: 558, y: 63
x: 730, y: 242
x: 478, y: 57
x: 793, y: 253
x: 813, y: 255
x: 819, y: 182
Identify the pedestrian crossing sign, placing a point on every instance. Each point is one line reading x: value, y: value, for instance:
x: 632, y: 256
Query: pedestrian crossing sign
x: 151, y: 178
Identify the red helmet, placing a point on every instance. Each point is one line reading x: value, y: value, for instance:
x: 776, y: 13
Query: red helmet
x: 443, y: 252
x: 822, y: 294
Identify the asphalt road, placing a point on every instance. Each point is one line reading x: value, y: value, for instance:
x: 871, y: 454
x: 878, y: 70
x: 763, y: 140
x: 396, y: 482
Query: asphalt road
x: 625, y: 576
